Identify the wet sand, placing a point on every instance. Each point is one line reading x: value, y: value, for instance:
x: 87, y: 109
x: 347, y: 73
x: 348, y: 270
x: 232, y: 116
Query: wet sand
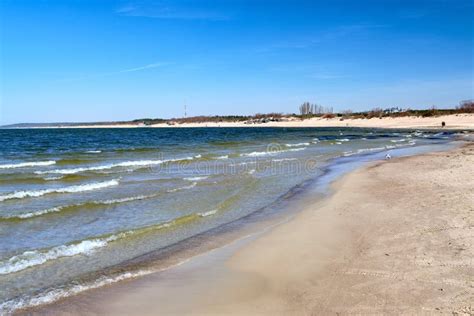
x: 396, y: 237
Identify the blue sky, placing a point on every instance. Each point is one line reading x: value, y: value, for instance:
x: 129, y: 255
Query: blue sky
x: 117, y: 60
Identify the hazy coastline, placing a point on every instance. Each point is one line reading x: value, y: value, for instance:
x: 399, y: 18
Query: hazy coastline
x: 463, y: 121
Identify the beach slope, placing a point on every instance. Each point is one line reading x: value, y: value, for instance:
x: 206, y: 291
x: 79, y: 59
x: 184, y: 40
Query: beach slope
x: 396, y: 237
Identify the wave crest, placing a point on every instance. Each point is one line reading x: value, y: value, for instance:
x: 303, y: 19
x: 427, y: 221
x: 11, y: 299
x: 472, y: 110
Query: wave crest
x: 35, y: 257
x: 70, y: 189
x: 265, y: 153
x: 28, y: 164
x: 136, y: 163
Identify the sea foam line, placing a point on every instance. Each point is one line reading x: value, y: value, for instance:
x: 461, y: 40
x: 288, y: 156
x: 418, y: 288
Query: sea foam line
x: 70, y: 189
x: 35, y: 257
x: 196, y: 178
x: 137, y: 163
x: 28, y: 164
x: 265, y: 153
x: 208, y: 213
x: 32, y: 258
x: 183, y: 188
x: 51, y: 296
x: 35, y: 214
x: 61, y: 208
x: 297, y: 145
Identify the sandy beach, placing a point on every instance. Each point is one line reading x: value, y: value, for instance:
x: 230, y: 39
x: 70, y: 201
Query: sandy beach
x: 395, y: 237
x: 245, y: 158
x: 454, y: 121
x: 459, y: 121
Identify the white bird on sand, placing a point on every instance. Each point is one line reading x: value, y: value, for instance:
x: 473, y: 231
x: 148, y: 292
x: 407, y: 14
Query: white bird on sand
x: 388, y: 157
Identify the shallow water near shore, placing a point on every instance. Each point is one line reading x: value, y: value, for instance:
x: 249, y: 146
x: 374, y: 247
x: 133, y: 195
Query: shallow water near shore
x: 75, y: 203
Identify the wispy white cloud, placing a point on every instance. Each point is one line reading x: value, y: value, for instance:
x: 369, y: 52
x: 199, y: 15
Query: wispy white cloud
x: 118, y: 72
x: 331, y: 34
x: 149, y: 66
x: 164, y: 10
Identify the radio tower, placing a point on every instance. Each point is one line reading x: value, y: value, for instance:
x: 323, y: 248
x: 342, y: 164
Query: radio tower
x: 185, y: 107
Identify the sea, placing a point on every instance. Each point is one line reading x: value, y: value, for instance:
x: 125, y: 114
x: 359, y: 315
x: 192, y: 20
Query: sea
x: 84, y: 208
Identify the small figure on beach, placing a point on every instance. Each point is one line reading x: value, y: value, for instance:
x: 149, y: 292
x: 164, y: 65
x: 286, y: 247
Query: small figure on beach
x: 443, y: 124
x: 388, y: 157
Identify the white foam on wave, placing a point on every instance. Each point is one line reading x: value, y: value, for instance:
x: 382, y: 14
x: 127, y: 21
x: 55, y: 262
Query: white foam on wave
x: 398, y: 140
x: 183, y: 188
x: 35, y: 213
x: 53, y: 178
x: 208, y: 213
x: 94, y: 151
x: 297, y: 145
x: 37, y: 257
x: 270, y: 152
x: 362, y: 150
x: 284, y: 159
x: 257, y: 153
x: 123, y: 200
x: 343, y: 140
x: 136, y: 163
x: 196, y: 178
x: 70, y: 189
x: 28, y: 164
x: 60, y: 208
x: 223, y: 157
x: 243, y: 163
x: 53, y: 295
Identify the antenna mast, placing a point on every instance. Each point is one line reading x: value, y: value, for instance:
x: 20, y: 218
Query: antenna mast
x: 185, y: 108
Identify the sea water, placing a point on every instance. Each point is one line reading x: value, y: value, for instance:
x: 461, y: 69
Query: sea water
x: 75, y: 202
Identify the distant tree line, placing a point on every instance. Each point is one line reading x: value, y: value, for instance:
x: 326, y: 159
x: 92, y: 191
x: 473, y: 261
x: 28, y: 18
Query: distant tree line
x: 313, y: 109
x: 466, y: 106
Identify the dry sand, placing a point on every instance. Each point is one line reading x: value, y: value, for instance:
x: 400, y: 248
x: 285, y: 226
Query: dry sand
x: 396, y: 237
x: 455, y: 121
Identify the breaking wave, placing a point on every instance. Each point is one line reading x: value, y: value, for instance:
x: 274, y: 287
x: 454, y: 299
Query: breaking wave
x: 209, y: 213
x: 70, y: 189
x: 196, y: 178
x: 28, y: 164
x: 32, y: 258
x: 36, y: 257
x: 297, y: 145
x: 183, y: 188
x: 136, y: 163
x: 65, y: 207
x: 53, y: 295
x: 265, y: 153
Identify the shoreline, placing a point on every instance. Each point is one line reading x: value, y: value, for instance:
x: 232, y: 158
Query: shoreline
x: 453, y: 122
x: 245, y: 259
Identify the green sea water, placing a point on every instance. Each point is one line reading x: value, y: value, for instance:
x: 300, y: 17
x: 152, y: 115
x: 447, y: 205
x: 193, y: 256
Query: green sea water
x: 75, y: 202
